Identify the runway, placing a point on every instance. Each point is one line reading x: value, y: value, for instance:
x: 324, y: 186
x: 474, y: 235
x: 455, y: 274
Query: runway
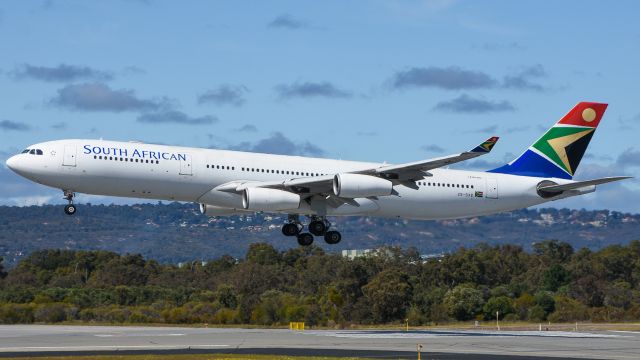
x: 18, y: 340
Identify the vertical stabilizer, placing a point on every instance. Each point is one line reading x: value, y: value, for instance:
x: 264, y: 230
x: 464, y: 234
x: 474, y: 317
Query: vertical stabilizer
x: 559, y: 151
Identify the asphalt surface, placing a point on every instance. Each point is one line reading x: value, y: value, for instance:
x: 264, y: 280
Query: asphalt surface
x: 41, y: 340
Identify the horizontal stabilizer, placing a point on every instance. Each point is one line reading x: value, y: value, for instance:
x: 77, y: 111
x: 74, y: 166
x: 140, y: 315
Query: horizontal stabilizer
x: 580, y: 184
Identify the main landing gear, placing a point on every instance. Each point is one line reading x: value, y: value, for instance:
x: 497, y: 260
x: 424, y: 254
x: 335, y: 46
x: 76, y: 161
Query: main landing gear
x: 318, y: 226
x: 69, y: 209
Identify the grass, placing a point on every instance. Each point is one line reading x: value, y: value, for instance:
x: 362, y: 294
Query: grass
x: 182, y: 357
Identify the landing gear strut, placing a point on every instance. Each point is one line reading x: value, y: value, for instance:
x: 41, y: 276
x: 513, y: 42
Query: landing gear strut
x: 69, y: 209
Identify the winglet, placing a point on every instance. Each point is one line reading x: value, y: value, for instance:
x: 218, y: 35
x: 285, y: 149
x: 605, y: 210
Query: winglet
x: 486, y: 146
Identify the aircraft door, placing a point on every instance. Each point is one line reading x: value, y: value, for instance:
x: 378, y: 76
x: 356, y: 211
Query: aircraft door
x: 492, y: 188
x: 69, y: 158
x: 185, y: 165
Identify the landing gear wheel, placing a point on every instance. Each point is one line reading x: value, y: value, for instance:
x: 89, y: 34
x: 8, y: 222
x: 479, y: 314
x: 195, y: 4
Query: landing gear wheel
x: 332, y: 237
x: 318, y: 227
x: 290, y: 229
x: 70, y: 209
x: 305, y: 239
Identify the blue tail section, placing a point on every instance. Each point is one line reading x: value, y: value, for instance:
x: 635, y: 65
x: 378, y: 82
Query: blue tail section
x: 532, y: 164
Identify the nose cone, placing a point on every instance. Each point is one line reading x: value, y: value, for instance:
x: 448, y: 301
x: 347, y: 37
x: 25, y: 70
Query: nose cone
x: 12, y: 162
x: 17, y: 165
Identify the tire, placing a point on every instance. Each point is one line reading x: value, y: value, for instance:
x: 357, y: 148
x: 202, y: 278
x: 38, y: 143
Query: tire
x: 317, y: 228
x: 305, y: 239
x: 332, y: 237
x: 70, y: 209
x: 290, y: 229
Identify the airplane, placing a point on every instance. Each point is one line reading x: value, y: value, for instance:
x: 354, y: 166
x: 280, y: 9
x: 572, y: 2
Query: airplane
x: 227, y: 182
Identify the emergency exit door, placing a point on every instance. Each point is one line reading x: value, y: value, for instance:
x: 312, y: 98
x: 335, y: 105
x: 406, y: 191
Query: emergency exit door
x: 69, y: 157
x: 492, y: 188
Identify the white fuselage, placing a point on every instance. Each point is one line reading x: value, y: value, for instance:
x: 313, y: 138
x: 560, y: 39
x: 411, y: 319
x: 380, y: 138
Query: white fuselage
x: 147, y: 171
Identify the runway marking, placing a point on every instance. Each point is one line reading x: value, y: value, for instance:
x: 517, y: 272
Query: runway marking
x: 435, y: 334
x: 111, y: 347
x: 135, y: 334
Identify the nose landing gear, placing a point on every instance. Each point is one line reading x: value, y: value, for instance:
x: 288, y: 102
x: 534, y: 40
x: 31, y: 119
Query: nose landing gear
x: 69, y: 209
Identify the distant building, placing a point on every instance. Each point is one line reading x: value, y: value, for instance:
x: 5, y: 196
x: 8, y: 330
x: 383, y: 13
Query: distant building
x: 352, y: 254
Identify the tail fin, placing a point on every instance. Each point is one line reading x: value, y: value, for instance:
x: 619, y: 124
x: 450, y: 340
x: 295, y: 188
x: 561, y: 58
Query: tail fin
x: 559, y: 151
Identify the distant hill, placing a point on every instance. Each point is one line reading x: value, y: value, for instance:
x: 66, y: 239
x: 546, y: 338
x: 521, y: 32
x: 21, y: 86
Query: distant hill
x: 178, y: 232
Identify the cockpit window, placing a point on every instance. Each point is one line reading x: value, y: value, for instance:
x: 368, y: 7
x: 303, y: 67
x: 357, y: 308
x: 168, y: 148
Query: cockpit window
x: 33, y: 151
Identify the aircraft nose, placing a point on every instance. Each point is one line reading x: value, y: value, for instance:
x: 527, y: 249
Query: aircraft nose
x: 12, y: 162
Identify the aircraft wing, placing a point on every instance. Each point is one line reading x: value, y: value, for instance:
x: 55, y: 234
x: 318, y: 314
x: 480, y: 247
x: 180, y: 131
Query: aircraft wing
x: 400, y: 173
x: 580, y: 184
x: 314, y: 185
x: 418, y: 169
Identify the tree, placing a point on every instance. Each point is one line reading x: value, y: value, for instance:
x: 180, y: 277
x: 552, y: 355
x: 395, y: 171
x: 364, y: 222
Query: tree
x: 263, y: 254
x: 501, y: 304
x: 553, y: 251
x: 522, y: 305
x: 3, y: 273
x: 227, y: 296
x: 546, y: 302
x: 463, y: 302
x: 389, y: 293
x: 555, y: 277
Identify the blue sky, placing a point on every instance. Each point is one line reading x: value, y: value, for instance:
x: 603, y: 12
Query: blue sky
x: 392, y: 81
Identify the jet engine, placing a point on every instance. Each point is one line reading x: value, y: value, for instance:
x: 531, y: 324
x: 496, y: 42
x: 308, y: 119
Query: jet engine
x: 263, y: 199
x: 357, y: 185
x: 212, y: 210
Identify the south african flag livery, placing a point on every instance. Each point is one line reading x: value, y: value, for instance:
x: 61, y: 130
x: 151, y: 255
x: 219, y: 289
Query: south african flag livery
x: 559, y: 151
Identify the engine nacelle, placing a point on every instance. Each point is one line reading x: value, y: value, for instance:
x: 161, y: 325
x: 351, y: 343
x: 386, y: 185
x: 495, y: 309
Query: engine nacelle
x: 212, y: 210
x: 357, y: 185
x: 263, y: 199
